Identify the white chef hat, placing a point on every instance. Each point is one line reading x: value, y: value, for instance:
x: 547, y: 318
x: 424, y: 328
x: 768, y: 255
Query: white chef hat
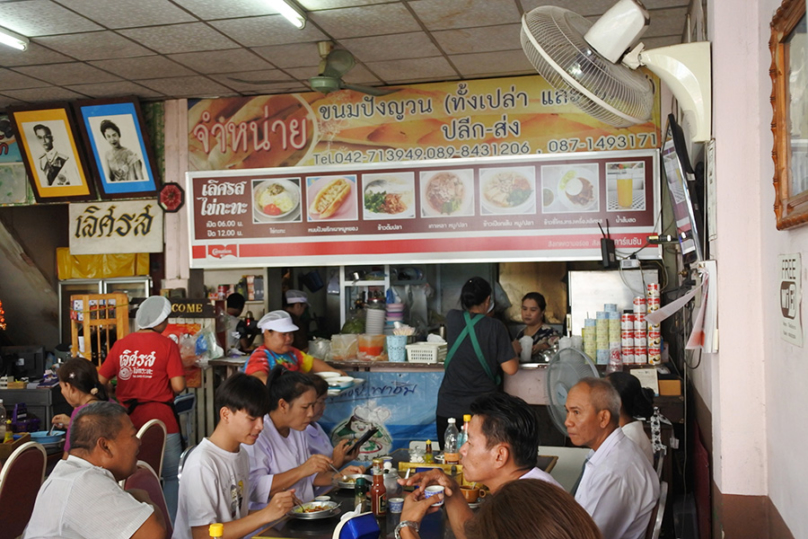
x: 277, y: 321
x: 296, y: 296
x: 152, y: 312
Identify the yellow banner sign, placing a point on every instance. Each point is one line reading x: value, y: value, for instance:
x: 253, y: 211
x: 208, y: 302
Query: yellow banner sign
x: 467, y: 119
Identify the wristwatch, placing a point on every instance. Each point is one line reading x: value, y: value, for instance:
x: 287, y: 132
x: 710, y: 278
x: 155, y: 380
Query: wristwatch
x: 408, y: 524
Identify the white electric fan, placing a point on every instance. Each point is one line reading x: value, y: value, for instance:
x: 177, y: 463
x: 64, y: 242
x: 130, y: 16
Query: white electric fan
x: 582, y: 58
x: 566, y: 368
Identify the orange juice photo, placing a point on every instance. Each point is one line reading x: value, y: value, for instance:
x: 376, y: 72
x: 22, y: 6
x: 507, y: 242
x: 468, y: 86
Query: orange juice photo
x: 625, y: 192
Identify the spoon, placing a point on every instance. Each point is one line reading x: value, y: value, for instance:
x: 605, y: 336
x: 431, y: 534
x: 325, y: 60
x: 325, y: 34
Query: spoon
x: 344, y: 477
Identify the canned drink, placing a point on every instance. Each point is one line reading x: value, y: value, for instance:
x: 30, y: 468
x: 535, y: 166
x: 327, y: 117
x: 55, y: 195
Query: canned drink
x: 639, y: 304
x: 653, y: 304
x: 640, y: 339
x: 654, y: 355
x: 652, y: 290
x: 222, y: 291
x: 627, y: 342
x: 628, y: 355
x: 627, y: 334
x: 639, y: 318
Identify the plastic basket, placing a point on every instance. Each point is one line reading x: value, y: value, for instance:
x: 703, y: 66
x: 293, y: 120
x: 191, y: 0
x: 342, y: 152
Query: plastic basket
x: 426, y: 352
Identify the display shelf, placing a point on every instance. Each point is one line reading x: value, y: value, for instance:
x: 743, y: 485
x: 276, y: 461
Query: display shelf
x: 357, y: 287
x: 99, y: 316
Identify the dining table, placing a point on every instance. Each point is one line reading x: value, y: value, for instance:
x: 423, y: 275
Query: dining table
x: 433, y: 526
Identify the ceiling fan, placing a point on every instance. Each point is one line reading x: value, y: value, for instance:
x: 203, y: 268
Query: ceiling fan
x: 596, y: 64
x: 335, y: 64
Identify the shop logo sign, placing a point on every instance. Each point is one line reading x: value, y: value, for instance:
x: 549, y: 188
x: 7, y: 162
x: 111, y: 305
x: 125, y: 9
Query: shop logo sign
x: 221, y: 251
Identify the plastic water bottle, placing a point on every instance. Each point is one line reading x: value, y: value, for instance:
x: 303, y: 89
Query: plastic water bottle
x: 450, y: 449
x: 464, y: 432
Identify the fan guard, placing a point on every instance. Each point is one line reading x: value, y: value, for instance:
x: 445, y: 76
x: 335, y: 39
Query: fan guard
x: 567, y: 367
x: 611, y: 93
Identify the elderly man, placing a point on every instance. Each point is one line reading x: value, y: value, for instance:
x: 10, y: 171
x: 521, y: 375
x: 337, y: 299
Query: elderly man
x: 502, y: 446
x: 618, y: 487
x: 82, y: 498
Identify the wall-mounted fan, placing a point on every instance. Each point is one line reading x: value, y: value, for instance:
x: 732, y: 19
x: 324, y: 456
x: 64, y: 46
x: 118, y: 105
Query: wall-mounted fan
x: 566, y: 368
x: 334, y: 65
x: 582, y: 58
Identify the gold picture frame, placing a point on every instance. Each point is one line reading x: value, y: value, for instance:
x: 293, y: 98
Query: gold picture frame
x: 789, y: 98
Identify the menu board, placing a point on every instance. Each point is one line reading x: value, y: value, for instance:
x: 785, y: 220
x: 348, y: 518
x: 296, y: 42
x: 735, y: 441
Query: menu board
x: 538, y: 207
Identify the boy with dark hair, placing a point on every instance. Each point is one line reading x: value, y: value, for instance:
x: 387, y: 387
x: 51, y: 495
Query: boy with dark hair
x: 215, y: 478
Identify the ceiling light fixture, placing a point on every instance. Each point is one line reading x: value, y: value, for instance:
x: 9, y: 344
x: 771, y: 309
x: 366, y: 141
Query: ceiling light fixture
x: 291, y: 11
x: 13, y: 39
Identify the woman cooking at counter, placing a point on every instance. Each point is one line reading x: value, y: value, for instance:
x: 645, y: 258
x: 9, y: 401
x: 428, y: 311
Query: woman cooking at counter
x: 278, y: 350
x: 544, y: 336
x: 280, y: 458
x: 479, y: 351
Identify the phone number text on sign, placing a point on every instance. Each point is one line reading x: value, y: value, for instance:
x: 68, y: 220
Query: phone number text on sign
x: 603, y: 143
x: 384, y: 155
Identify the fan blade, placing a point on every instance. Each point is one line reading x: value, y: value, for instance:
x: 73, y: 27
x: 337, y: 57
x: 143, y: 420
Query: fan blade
x: 338, y: 63
x: 377, y: 92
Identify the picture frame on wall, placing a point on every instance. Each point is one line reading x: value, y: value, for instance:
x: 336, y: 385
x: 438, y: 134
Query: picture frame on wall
x: 121, y: 155
x: 54, y: 162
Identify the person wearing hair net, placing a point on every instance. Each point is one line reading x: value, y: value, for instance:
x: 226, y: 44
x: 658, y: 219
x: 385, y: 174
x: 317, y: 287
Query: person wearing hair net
x: 278, y: 350
x: 295, y: 303
x: 150, y: 373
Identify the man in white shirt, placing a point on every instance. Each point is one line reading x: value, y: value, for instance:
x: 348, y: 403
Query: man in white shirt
x: 618, y: 487
x: 502, y: 446
x: 215, y: 484
x: 81, y: 498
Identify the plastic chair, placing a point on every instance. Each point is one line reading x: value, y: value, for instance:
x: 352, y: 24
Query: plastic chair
x: 153, y: 444
x: 20, y: 479
x: 183, y: 458
x: 185, y: 406
x: 655, y: 524
x: 146, y: 479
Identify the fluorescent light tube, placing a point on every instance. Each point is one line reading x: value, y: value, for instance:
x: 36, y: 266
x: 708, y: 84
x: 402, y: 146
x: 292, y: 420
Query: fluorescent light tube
x: 290, y: 11
x: 14, y: 40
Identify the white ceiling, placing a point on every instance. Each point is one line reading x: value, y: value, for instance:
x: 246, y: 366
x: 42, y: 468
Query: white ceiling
x: 160, y: 49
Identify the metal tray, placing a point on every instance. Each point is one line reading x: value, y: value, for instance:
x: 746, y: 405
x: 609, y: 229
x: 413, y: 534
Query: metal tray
x: 352, y: 486
x: 332, y: 512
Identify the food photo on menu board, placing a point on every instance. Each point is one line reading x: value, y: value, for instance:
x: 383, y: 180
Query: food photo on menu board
x: 447, y: 193
x: 570, y: 188
x: 508, y: 190
x: 332, y: 198
x: 276, y: 200
x: 389, y: 195
x: 625, y: 186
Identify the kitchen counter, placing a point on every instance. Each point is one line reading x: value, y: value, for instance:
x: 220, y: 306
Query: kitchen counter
x: 385, y: 366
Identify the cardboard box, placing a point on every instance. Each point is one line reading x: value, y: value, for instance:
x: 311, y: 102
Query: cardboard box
x: 670, y: 388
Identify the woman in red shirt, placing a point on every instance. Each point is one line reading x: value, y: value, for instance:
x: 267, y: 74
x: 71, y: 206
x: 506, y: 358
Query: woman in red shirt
x: 150, y: 373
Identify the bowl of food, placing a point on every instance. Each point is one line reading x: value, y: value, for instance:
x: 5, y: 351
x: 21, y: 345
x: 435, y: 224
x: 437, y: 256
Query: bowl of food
x: 349, y: 481
x: 446, y: 194
x: 276, y: 199
x: 315, y: 510
x: 507, y: 191
x: 341, y: 382
x: 328, y: 375
x: 578, y: 190
x: 45, y: 437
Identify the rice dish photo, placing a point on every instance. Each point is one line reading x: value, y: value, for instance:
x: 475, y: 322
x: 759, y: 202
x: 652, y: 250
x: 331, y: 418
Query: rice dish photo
x: 507, y: 189
x: 275, y: 200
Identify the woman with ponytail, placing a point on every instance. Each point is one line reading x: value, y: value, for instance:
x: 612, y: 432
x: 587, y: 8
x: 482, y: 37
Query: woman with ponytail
x: 78, y: 380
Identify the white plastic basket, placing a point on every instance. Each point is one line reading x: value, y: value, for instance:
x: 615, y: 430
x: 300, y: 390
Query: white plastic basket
x: 426, y: 352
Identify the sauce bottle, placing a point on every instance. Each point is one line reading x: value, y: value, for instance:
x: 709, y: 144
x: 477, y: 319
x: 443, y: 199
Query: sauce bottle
x: 378, y: 494
x: 361, y: 494
x: 428, y: 457
x: 216, y: 531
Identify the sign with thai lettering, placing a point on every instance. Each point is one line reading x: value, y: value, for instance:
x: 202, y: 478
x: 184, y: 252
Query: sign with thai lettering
x: 466, y: 119
x: 790, y: 290
x: 531, y: 207
x: 400, y: 404
x: 134, y: 226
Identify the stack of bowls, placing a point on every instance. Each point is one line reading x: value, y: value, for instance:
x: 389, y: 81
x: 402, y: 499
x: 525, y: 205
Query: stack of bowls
x: 374, y: 322
x: 395, y: 313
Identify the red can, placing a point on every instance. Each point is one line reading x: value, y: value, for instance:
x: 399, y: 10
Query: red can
x: 652, y: 290
x: 653, y: 304
x: 628, y: 355
x: 639, y: 304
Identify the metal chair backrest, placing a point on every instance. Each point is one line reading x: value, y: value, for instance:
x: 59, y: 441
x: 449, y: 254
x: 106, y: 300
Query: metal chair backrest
x: 659, y: 461
x: 146, y: 479
x: 153, y: 444
x: 655, y: 524
x: 20, y: 479
x: 183, y: 458
x: 185, y: 406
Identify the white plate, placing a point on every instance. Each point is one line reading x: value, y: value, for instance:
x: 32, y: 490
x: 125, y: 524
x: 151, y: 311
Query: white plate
x: 291, y: 188
x: 585, y: 175
x: 466, y: 204
x: 527, y: 173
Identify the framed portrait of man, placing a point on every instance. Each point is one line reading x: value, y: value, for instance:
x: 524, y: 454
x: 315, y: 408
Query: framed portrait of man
x: 122, y: 159
x: 53, y: 160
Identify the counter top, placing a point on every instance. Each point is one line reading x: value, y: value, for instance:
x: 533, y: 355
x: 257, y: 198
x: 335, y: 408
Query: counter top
x: 385, y: 365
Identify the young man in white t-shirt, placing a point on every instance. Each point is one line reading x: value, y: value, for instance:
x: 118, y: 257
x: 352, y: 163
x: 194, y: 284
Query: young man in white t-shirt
x: 215, y: 479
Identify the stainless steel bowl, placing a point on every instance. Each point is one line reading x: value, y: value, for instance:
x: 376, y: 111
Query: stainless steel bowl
x: 352, y: 484
x: 333, y: 510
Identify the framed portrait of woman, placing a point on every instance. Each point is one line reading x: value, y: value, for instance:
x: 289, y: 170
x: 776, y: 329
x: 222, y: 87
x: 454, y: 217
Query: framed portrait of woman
x: 122, y: 159
x: 54, y: 162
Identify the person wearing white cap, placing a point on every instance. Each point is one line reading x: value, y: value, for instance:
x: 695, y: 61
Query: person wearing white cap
x: 295, y: 303
x: 278, y: 350
x: 150, y: 373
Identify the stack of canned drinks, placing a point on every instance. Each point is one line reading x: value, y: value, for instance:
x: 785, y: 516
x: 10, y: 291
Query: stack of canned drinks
x: 652, y: 297
x: 641, y: 343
